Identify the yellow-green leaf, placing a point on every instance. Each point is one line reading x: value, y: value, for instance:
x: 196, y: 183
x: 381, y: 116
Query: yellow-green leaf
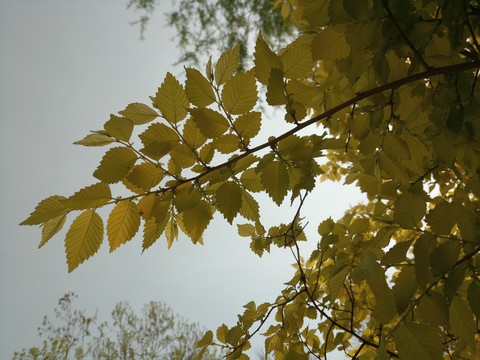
x: 248, y: 125
x: 246, y: 230
x: 397, y: 254
x: 462, y: 322
x: 151, y: 232
x: 330, y: 44
x: 226, y: 65
x: 92, y: 196
x: 139, y: 113
x: 211, y: 123
x: 158, y: 140
x: 122, y: 223
x: 418, y: 342
x: 115, y: 165
x: 239, y: 95
x: 192, y: 135
x: 265, y: 59
x: 83, y: 238
x: 199, y: 91
x: 409, y: 210
x: 146, y: 175
x: 227, y: 143
x: 206, y: 339
x: 444, y: 257
x: 441, y: 218
x: 249, y: 209
x: 275, y: 180
x: 297, y: 58
x: 51, y: 228
x: 119, y: 127
x: 385, y: 307
x: 228, y: 200
x: 275, y: 91
x: 46, y: 210
x: 95, y: 140
x: 196, y: 220
x: 171, y: 100
x: 404, y: 288
x: 433, y: 309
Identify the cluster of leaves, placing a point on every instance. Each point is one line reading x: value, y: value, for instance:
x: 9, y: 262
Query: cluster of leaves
x: 394, y: 84
x: 203, y: 26
x: 158, y: 334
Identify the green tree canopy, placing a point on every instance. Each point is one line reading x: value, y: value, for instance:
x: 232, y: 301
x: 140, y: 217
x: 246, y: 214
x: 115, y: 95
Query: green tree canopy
x: 392, y: 84
x: 158, y: 334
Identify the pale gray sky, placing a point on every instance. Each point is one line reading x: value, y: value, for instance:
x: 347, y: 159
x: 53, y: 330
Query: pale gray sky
x: 65, y: 65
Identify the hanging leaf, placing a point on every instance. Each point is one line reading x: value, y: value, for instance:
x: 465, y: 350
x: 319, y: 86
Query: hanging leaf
x: 196, y: 220
x: 115, y: 165
x: 275, y: 180
x: 171, y: 100
x: 123, y: 223
x: 92, y: 196
x: 409, y: 210
x: 139, y: 113
x: 417, y: 342
x: 83, y: 238
x: 297, y: 58
x: 239, y: 94
x: 51, y: 228
x: 228, y: 200
x: 462, y: 322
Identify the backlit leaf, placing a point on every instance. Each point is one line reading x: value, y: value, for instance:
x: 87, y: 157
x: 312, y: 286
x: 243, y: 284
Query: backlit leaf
x: 433, y: 309
x: 461, y: 320
x: 274, y: 178
x: 330, y: 44
x: 385, y: 307
x: 265, y: 59
x: 198, y: 89
x: 474, y: 297
x: 228, y: 200
x: 211, y: 123
x: 297, y: 58
x: 196, y: 220
x: 421, y: 250
x: 239, y: 94
x: 92, y: 196
x: 417, y: 342
x: 83, y: 238
x: 95, y: 140
x: 158, y: 140
x: 441, y: 218
x: 275, y: 91
x: 115, y: 165
x: 46, y: 210
x: 146, y: 175
x: 139, y: 113
x: 226, y: 66
x: 171, y: 100
x: 397, y: 254
x: 227, y: 143
x: 249, y: 209
x: 51, y: 228
x: 192, y: 135
x: 404, y: 288
x: 444, y: 257
x: 122, y: 224
x: 409, y: 210
x: 119, y: 127
x: 151, y: 232
x: 248, y: 125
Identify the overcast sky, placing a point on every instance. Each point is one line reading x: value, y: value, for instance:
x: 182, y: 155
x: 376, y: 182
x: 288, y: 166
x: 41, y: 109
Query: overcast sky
x: 65, y: 66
